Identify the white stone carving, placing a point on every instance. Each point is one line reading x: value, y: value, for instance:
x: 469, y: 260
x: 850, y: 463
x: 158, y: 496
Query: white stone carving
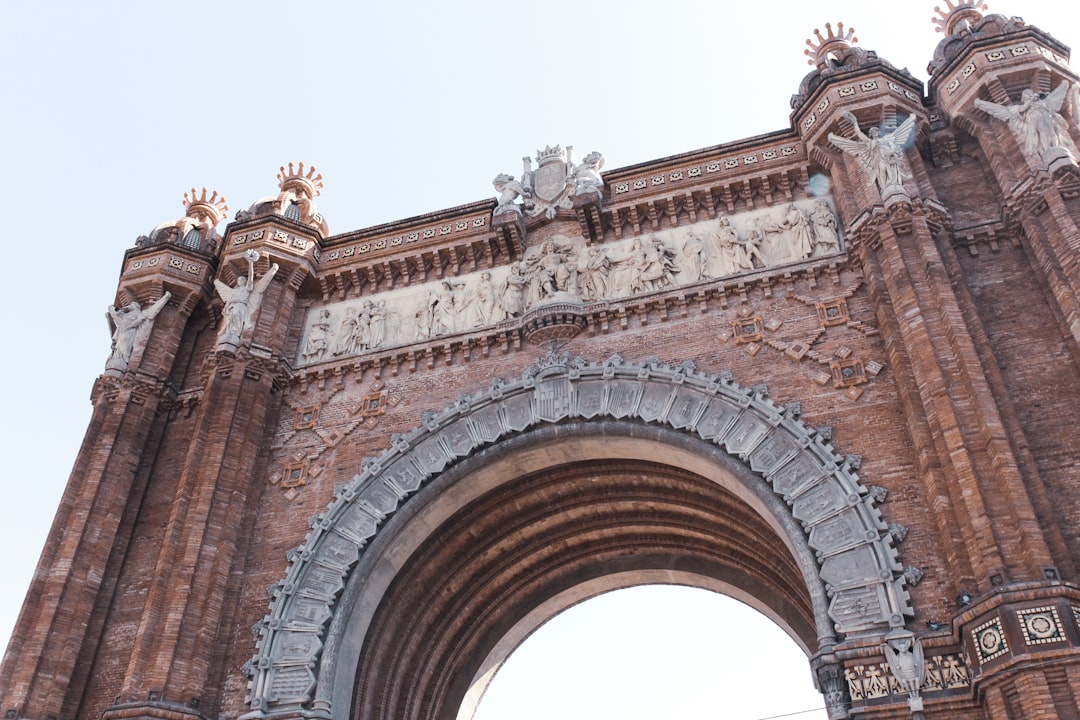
x: 241, y: 302
x: 798, y: 237
x: 343, y: 338
x: 587, y: 175
x: 318, y: 339
x: 130, y: 326
x: 563, y: 269
x: 513, y: 294
x: 443, y: 315
x: 904, y: 653
x: 654, y: 267
x: 729, y: 256
x: 826, y: 229
x: 881, y: 156
x: 378, y: 324
x: 1038, y: 124
x: 509, y: 191
x: 551, y: 272
x: 552, y: 185
x: 692, y: 265
x: 484, y: 302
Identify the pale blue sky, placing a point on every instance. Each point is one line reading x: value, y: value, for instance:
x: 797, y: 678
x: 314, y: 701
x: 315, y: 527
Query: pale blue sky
x: 112, y: 110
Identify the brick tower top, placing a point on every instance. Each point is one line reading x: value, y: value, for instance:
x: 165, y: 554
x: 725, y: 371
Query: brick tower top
x: 828, y: 46
x: 958, y: 16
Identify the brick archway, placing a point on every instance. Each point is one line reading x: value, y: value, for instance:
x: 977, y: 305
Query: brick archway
x: 505, y: 492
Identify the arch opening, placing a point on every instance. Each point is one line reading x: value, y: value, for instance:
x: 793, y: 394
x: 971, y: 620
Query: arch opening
x: 453, y: 545
x: 532, y: 544
x: 653, y: 651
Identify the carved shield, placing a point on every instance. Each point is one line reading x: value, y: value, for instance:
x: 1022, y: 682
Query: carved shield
x: 549, y: 181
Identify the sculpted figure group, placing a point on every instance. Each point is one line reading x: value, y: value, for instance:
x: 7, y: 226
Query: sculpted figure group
x: 552, y: 186
x: 560, y: 269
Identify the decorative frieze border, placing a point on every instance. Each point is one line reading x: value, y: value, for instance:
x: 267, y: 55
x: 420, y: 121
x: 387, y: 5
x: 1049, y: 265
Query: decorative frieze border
x: 692, y: 172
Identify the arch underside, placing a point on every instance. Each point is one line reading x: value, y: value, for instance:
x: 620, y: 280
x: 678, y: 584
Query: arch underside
x: 572, y: 480
x: 552, y: 534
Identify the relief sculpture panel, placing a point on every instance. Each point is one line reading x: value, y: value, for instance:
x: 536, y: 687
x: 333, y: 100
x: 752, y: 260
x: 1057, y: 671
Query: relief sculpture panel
x: 561, y: 269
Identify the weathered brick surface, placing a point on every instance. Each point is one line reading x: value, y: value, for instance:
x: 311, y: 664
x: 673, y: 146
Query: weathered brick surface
x: 200, y: 470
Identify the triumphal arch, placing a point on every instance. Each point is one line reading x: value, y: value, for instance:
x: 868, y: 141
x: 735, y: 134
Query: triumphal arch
x: 832, y: 370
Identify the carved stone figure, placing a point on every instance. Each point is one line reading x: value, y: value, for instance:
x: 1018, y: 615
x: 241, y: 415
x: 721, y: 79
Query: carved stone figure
x: 625, y: 270
x: 1037, y: 122
x: 509, y: 191
x: 587, y: 175
x: 378, y: 324
x: 444, y: 318
x: 462, y: 302
x: 904, y: 653
x: 425, y: 316
x: 594, y: 283
x: 131, y: 327
x: 768, y: 240
x: 242, y: 302
x: 752, y: 248
x: 513, y: 291
x: 483, y: 301
x: 730, y: 255
x: 318, y: 338
x: 799, y: 236
x: 551, y: 271
x: 882, y: 156
x: 361, y: 337
x: 826, y: 229
x: 551, y: 186
x: 343, y: 339
x: 656, y: 266
x: 693, y: 266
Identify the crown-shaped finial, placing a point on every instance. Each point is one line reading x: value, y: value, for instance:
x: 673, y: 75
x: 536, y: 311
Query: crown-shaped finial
x: 211, y: 205
x: 957, y: 16
x: 295, y: 178
x: 818, y: 51
x: 549, y: 154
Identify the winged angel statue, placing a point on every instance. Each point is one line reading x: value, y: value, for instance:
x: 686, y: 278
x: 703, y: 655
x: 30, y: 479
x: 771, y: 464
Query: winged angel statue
x: 1037, y: 122
x: 130, y: 327
x: 242, y: 302
x: 882, y: 156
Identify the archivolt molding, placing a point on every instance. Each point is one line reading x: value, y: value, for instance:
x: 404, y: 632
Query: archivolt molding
x: 857, y: 563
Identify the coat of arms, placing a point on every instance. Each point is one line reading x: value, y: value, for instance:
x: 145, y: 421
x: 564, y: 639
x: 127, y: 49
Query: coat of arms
x: 552, y: 185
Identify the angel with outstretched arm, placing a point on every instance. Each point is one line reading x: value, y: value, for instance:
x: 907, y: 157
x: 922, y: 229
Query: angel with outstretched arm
x: 882, y: 156
x: 130, y: 327
x: 1036, y: 121
x: 242, y: 302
